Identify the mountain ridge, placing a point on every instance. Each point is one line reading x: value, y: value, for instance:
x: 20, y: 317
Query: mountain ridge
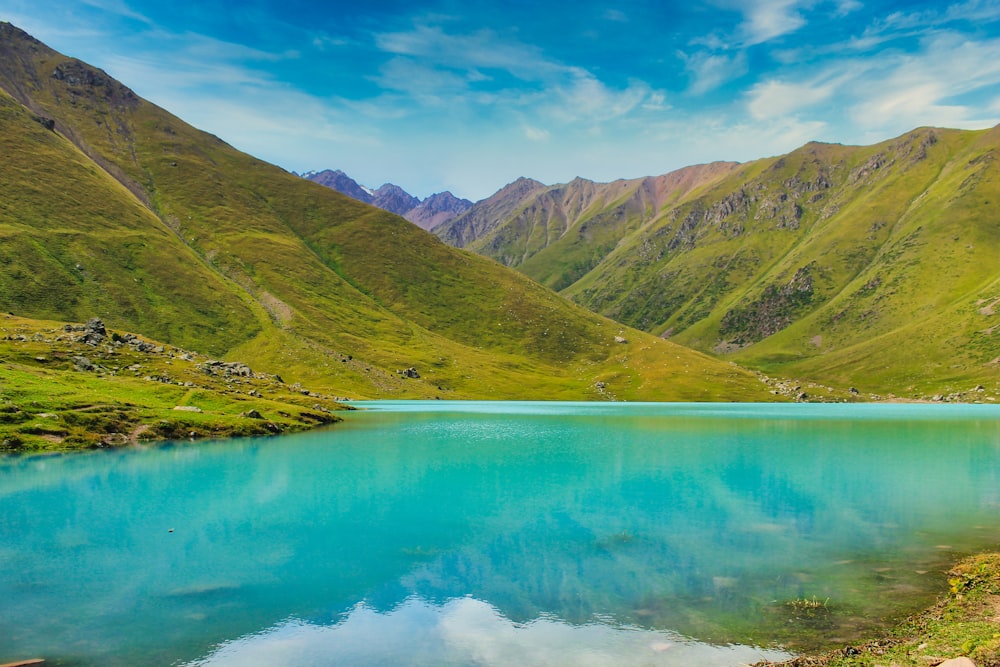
x: 428, y: 213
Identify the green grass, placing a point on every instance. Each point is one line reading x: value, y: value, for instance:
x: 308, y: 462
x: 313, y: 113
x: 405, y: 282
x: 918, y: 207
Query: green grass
x: 121, y: 395
x: 125, y: 212
x: 900, y: 240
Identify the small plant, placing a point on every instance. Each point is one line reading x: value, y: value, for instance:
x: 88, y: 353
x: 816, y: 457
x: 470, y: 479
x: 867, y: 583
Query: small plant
x: 807, y: 604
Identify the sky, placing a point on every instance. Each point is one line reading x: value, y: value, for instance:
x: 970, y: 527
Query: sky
x: 469, y: 95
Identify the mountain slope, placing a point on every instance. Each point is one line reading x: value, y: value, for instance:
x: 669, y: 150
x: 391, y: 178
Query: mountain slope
x: 115, y: 208
x: 557, y: 234
x: 873, y: 266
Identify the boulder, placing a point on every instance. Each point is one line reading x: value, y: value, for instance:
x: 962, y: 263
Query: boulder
x: 94, y: 332
x: 958, y: 662
x: 83, y: 364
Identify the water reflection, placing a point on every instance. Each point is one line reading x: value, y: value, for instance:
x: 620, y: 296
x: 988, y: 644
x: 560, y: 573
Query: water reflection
x: 467, y: 631
x: 695, y: 520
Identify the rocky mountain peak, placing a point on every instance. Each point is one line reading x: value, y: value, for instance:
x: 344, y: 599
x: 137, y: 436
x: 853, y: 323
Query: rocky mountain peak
x: 395, y: 199
x: 431, y: 212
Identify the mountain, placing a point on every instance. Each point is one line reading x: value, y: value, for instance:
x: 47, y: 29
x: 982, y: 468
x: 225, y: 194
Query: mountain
x: 342, y: 183
x: 114, y: 208
x: 437, y: 209
x: 870, y: 266
x: 427, y: 214
x: 581, y: 220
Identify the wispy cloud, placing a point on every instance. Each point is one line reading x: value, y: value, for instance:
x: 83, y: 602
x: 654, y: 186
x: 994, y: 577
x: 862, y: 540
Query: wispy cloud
x: 774, y: 99
x: 767, y: 19
x: 482, y: 68
x: 710, y: 70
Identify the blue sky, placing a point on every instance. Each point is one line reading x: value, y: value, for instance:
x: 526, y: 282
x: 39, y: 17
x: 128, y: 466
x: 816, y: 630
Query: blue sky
x: 468, y: 95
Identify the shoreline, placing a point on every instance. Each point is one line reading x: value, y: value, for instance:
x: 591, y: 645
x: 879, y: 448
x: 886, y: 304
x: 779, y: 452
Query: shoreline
x: 963, y: 623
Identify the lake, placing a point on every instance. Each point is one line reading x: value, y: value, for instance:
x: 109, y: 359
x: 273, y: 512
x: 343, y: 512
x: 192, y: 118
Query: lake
x: 478, y: 533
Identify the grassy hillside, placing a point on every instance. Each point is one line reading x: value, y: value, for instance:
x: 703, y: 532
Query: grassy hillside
x: 867, y: 266
x: 117, y: 209
x: 557, y: 234
x: 64, y: 386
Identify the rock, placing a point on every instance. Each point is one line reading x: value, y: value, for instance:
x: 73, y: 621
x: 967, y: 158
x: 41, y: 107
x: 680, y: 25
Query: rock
x: 94, y: 332
x: 113, y: 440
x: 252, y: 414
x: 83, y: 364
x: 854, y: 391
x: 410, y: 372
x: 802, y: 396
x: 187, y: 408
x: 601, y: 385
x: 958, y: 662
x: 619, y: 339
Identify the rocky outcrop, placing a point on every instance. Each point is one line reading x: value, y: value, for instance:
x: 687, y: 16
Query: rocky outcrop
x: 772, y: 312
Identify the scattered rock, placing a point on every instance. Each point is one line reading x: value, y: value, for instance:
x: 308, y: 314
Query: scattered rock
x: 619, y: 339
x: 601, y: 386
x: 252, y: 414
x: 854, y: 391
x: 410, y: 372
x: 187, y: 408
x: 94, y: 332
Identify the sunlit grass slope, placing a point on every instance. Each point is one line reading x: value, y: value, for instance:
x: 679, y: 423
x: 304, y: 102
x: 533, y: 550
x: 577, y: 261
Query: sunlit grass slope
x: 115, y: 208
x: 868, y: 266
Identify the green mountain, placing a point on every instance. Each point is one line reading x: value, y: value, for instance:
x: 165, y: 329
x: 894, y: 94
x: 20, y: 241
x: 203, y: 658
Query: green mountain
x: 868, y: 266
x: 114, y: 208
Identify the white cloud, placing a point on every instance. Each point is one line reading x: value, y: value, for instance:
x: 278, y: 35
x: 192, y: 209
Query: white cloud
x: 458, y: 71
x: 119, y: 8
x: 421, y: 81
x: 774, y: 99
x: 535, y: 133
x: 764, y: 20
x: 482, y: 49
x: 922, y: 88
x: 711, y: 70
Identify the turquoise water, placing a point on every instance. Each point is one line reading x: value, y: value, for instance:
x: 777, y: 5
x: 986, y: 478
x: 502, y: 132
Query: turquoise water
x: 440, y: 533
